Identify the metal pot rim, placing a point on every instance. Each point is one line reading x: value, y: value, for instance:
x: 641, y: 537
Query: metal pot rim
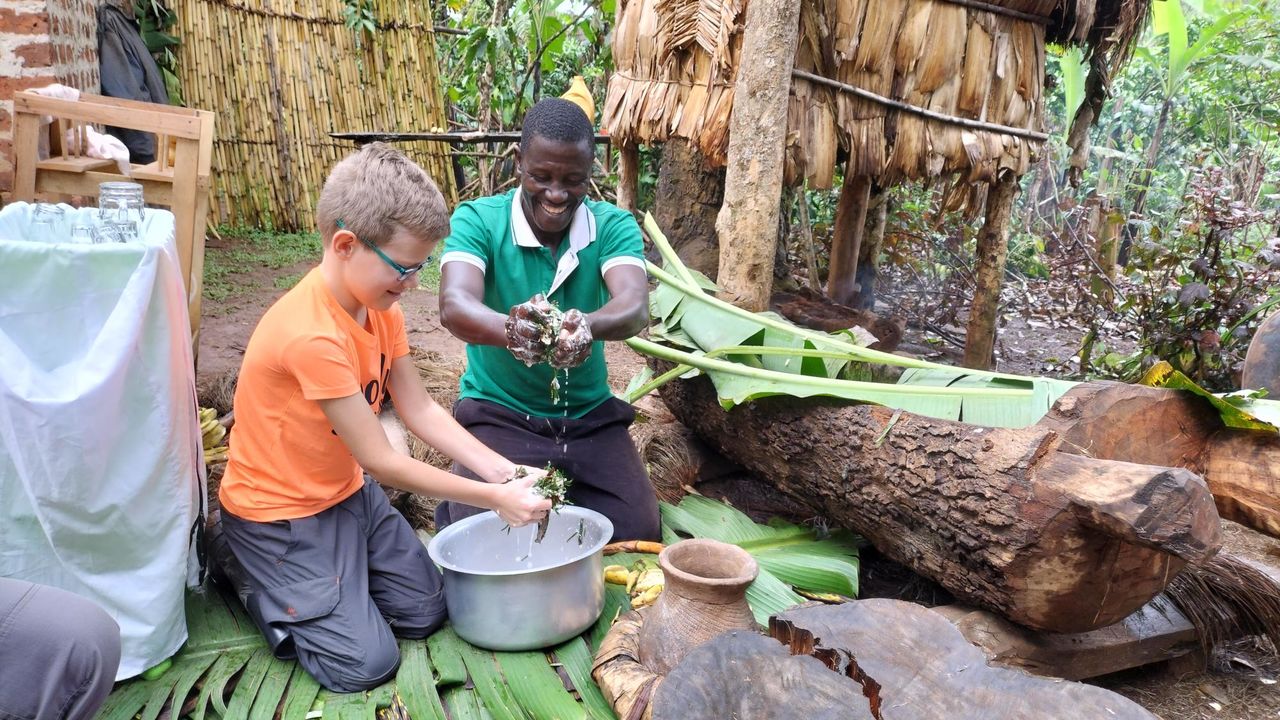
x: 433, y: 547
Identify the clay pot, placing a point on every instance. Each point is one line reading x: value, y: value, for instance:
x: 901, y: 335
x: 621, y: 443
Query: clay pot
x: 705, y: 595
x: 1262, y: 361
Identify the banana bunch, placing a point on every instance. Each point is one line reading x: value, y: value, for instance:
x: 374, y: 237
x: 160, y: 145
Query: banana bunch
x: 212, y: 433
x: 644, y: 580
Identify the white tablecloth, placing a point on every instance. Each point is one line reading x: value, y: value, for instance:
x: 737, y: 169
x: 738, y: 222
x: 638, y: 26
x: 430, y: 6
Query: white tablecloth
x: 101, y: 471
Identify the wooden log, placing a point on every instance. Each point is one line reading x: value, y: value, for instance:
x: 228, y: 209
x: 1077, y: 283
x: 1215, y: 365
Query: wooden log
x: 1156, y: 632
x: 993, y: 250
x: 1155, y: 426
x: 917, y: 665
x: 686, y: 200
x: 1003, y: 519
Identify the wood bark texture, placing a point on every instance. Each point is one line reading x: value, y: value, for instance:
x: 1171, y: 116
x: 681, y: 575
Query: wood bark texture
x: 686, y: 201
x: 993, y: 250
x: 1003, y: 519
x: 747, y: 226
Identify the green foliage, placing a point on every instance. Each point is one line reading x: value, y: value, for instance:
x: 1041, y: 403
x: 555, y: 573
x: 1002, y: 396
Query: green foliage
x: 155, y: 20
x: 358, y: 17
x: 1202, y: 287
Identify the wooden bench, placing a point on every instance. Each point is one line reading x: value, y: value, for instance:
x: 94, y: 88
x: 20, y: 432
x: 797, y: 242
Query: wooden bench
x: 179, y: 178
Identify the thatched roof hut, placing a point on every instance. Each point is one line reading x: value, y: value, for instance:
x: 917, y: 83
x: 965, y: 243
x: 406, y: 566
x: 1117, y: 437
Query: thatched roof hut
x: 909, y: 89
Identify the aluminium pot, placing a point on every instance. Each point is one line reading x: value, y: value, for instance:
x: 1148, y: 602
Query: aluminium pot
x: 506, y: 592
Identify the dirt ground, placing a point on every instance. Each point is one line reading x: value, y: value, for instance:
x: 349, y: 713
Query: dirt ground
x: 1239, y: 685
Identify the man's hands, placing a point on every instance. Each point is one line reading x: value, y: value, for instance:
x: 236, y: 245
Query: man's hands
x: 537, y: 332
x: 573, y: 342
x: 529, y: 332
x: 517, y: 504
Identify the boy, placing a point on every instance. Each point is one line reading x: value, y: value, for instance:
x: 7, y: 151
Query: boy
x: 506, y: 256
x: 333, y: 573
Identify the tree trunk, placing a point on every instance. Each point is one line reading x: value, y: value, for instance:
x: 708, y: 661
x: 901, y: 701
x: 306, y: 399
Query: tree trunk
x: 747, y: 226
x: 628, y: 177
x: 851, y: 222
x: 1153, y: 154
x: 685, y: 204
x: 869, y: 250
x: 1004, y: 519
x: 993, y: 250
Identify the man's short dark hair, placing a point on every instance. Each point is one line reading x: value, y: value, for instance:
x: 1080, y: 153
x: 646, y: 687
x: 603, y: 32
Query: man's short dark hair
x: 556, y: 119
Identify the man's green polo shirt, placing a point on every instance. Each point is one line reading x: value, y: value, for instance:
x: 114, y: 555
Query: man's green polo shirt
x: 493, y: 234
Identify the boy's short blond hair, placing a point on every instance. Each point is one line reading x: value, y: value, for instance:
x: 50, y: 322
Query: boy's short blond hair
x: 377, y: 190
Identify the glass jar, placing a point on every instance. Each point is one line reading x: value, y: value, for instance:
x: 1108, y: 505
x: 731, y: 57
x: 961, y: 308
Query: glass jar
x: 47, y: 223
x: 120, y: 202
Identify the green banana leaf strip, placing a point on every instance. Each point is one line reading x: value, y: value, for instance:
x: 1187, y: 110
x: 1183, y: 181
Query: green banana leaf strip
x: 160, y: 693
x: 247, y: 688
x: 577, y: 659
x: 1163, y: 375
x: 272, y: 689
x: 490, y: 685
x: 465, y: 705
x: 416, y: 684
x: 538, y: 687
x: 346, y: 706
x: 178, y: 682
x: 303, y: 690
x: 446, y: 656
x: 215, y: 681
x: 126, y: 701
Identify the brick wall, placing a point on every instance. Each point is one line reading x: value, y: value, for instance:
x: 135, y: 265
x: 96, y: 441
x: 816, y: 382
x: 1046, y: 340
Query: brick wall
x: 43, y: 42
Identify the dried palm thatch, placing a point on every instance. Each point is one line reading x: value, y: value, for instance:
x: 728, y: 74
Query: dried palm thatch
x: 669, y: 451
x: 282, y: 75
x: 1228, y: 598
x: 908, y: 89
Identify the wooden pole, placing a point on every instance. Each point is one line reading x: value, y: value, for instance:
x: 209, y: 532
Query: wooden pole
x: 993, y: 250
x: 851, y: 221
x: 628, y: 176
x: 747, y: 226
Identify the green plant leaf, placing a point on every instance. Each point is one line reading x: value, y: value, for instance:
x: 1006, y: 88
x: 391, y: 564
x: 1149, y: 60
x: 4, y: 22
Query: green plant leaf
x: 446, y: 656
x: 492, y: 688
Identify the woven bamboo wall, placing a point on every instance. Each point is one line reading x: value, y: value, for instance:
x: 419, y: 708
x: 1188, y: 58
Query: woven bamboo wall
x: 676, y: 61
x: 282, y: 74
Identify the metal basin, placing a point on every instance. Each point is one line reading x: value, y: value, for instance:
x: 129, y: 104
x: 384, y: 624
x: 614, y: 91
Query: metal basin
x: 506, y: 592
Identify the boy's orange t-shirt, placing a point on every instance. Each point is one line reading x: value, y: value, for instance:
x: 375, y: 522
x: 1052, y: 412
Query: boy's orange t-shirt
x: 285, y: 459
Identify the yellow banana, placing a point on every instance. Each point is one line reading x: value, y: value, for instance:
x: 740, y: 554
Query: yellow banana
x: 632, y: 576
x: 647, y: 597
x: 651, y: 577
x: 616, y: 575
x: 213, y: 436
x: 215, y: 455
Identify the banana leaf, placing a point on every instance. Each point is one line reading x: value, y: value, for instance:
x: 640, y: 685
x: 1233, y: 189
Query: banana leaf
x: 789, y: 555
x: 239, y: 679
x: 754, y: 355
x: 1243, y: 410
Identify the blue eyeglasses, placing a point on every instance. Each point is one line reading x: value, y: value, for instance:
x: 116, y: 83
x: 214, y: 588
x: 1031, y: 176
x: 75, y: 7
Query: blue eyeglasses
x: 404, y: 271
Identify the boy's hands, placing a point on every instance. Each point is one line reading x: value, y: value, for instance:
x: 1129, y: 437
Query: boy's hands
x: 573, y: 344
x: 527, y: 335
x: 517, y: 503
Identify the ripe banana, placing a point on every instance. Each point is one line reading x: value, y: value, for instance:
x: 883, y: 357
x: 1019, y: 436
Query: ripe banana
x: 647, y: 597
x: 616, y: 575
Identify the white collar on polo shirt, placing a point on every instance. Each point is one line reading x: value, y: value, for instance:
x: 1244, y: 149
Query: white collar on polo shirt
x: 582, y: 232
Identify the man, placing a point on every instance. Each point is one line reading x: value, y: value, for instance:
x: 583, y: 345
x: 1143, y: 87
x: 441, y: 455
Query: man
x: 536, y: 389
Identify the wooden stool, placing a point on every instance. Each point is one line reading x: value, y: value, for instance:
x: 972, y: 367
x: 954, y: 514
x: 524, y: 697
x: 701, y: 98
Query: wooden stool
x: 179, y: 178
